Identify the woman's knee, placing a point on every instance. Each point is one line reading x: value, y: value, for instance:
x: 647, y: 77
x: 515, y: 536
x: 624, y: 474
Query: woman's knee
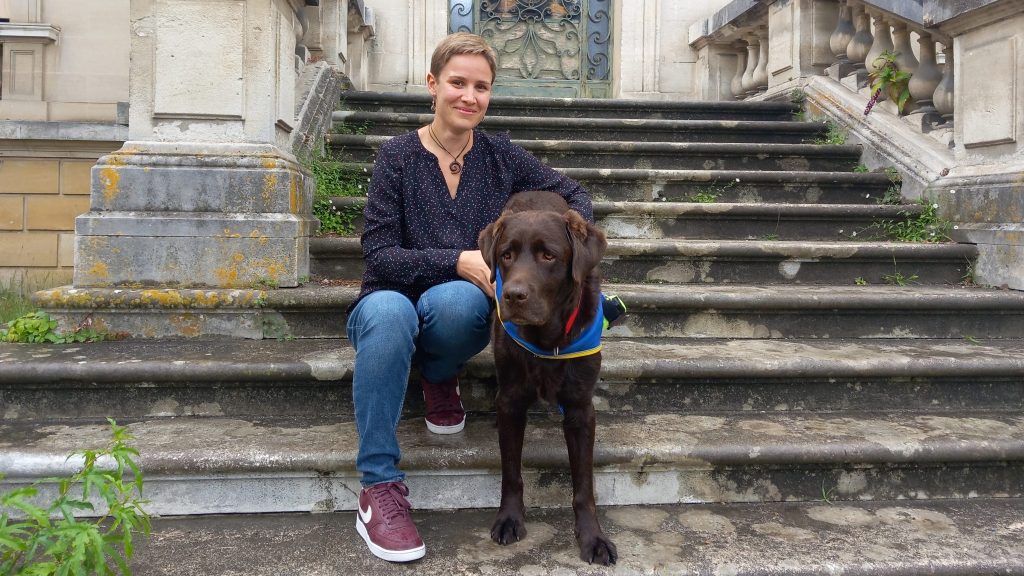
x: 386, y: 313
x: 455, y: 305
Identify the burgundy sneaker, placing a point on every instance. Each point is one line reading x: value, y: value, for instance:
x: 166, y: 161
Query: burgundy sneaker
x: 445, y: 414
x: 384, y: 522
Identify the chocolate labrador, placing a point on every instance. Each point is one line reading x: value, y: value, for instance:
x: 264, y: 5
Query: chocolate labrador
x: 546, y: 340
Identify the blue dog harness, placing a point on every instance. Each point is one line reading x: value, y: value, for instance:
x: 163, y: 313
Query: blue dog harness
x: 586, y: 344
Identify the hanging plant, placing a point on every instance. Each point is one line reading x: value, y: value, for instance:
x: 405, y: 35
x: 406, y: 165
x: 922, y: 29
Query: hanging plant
x: 888, y: 79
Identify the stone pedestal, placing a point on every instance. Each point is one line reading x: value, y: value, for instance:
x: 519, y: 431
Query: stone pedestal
x: 205, y: 193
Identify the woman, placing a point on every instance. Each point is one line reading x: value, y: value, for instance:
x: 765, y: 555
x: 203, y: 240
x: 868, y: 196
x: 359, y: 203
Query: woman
x: 426, y: 295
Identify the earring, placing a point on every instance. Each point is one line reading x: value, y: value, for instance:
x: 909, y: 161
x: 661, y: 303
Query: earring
x: 433, y: 103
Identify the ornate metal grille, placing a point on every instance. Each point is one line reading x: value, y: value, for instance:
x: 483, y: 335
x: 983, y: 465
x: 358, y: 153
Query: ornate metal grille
x: 545, y: 47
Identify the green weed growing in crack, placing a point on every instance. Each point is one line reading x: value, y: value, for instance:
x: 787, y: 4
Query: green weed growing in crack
x: 834, y: 134
x: 860, y: 281
x: 927, y: 226
x: 861, y: 169
x: 336, y: 179
x: 972, y: 340
x: 827, y: 494
x: 897, y: 278
x: 894, y: 193
x: 709, y: 194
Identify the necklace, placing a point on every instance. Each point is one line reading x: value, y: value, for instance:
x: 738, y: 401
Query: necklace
x: 454, y: 167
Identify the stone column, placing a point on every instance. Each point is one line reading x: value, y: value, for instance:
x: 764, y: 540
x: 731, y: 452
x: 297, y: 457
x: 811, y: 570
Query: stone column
x: 839, y: 40
x: 760, y: 78
x: 736, y: 86
x: 923, y: 83
x: 882, y: 43
x: 857, y: 50
x: 753, y: 50
x: 944, y: 95
x: 204, y: 193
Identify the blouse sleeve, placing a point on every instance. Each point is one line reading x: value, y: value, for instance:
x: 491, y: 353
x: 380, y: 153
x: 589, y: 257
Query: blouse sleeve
x: 535, y: 175
x: 386, y: 259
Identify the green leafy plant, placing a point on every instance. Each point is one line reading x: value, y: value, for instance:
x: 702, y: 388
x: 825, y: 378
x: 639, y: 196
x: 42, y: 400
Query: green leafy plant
x: 894, y: 194
x: 335, y: 179
x: 887, y: 78
x: 860, y: 281
x: 924, y: 227
x: 861, y: 169
x: 38, y: 328
x: 709, y: 194
x: 972, y: 340
x: 49, y: 539
x: 898, y: 279
x: 834, y: 134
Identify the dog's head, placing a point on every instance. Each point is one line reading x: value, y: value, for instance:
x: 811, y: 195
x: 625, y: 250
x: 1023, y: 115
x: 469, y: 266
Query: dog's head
x: 544, y: 257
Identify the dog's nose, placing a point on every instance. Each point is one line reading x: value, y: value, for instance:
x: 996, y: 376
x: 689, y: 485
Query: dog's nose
x: 515, y: 295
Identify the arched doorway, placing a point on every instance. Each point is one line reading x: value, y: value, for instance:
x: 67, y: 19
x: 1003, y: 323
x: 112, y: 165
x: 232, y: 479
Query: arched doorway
x: 545, y: 47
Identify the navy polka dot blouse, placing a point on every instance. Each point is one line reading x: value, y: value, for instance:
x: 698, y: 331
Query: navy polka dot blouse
x: 415, y: 230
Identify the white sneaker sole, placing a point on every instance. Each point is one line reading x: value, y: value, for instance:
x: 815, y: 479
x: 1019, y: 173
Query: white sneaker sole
x: 454, y: 428
x: 389, y: 555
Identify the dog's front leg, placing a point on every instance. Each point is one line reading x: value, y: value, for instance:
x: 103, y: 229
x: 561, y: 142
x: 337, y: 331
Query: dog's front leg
x: 513, y: 402
x: 579, y: 426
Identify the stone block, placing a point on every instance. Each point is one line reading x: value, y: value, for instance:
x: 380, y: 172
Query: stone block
x: 75, y: 176
x: 990, y: 68
x: 28, y: 249
x: 167, y: 261
x: 198, y: 55
x: 54, y: 213
x: 12, y: 212
x: 66, y: 250
x: 18, y: 176
x: 45, y: 278
x: 201, y: 178
x: 83, y: 112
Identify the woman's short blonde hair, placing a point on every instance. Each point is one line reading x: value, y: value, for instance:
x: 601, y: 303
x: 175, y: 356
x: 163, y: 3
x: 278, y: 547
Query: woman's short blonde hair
x: 462, y: 43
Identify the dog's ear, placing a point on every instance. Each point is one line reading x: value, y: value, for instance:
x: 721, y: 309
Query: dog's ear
x: 488, y: 243
x: 588, y: 245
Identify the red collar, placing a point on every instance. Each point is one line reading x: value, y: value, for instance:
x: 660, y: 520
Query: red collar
x: 572, y: 317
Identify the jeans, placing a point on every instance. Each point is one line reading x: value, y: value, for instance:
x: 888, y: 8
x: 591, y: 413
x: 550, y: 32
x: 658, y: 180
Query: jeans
x: 447, y: 326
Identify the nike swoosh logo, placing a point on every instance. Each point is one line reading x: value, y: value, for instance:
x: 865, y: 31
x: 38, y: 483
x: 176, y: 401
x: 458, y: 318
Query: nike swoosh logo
x: 366, y: 515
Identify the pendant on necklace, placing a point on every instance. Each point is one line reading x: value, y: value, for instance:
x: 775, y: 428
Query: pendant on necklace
x: 455, y: 167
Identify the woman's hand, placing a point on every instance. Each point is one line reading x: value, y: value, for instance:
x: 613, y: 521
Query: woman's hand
x: 471, y: 266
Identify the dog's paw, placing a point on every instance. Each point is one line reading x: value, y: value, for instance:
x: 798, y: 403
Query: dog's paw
x: 508, y: 529
x: 598, y: 549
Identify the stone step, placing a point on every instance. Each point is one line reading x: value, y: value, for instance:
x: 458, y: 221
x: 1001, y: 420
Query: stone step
x: 731, y: 261
x: 656, y: 155
x: 636, y: 130
x: 581, y: 107
x: 713, y: 221
x: 311, y: 378
x: 879, y: 538
x: 727, y: 186
x: 236, y: 465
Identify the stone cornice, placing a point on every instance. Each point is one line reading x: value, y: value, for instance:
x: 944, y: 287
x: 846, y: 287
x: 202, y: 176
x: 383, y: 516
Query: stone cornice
x: 16, y: 32
x: 975, y: 14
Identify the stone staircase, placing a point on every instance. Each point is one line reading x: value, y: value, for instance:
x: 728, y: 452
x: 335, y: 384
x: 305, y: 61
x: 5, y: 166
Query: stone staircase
x: 760, y: 411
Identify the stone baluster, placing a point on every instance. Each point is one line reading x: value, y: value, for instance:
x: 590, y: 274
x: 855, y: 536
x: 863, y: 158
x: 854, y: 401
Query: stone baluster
x: 753, y: 49
x: 882, y: 43
x: 860, y: 44
x: 943, y: 97
x: 737, y: 79
x: 925, y: 80
x: 904, y: 51
x: 761, y: 72
x: 839, y: 40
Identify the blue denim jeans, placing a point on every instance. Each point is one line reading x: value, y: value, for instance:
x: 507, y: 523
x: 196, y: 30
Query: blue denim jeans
x: 447, y: 326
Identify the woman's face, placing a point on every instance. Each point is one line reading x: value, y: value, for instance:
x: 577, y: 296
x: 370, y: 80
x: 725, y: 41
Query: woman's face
x: 463, y: 91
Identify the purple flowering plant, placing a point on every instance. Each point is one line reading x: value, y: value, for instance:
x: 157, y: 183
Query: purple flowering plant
x: 889, y: 81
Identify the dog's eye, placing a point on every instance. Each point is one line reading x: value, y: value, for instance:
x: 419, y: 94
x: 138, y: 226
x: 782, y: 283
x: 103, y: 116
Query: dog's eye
x: 507, y: 256
x: 547, y: 256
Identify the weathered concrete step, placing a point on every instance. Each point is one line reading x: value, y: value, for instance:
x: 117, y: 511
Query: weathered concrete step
x: 637, y: 130
x: 657, y: 155
x: 312, y: 378
x: 233, y: 465
x: 730, y: 261
x: 727, y: 186
x: 735, y: 221
x: 905, y: 538
x: 819, y: 312
x: 581, y: 107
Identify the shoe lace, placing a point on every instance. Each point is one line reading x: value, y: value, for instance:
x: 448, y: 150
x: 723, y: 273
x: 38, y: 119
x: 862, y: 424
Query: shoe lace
x: 391, y: 501
x: 442, y: 398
